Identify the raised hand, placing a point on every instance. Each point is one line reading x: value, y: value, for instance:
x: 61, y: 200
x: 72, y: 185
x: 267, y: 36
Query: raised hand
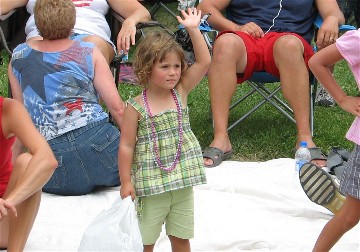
x: 191, y: 19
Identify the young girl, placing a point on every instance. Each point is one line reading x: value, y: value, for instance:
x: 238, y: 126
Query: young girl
x: 21, y: 179
x: 158, y: 149
x: 346, y: 47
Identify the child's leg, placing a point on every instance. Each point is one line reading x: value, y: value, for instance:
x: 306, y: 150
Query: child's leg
x: 179, y: 245
x: 149, y: 248
x: 180, y: 221
x: 152, y: 211
x: 346, y: 219
x: 19, y: 227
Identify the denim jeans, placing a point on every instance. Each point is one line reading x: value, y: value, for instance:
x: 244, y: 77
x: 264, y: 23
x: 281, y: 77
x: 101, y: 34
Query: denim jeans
x: 87, y: 159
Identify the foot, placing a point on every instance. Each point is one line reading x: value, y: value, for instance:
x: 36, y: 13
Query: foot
x: 321, y: 187
x: 310, y: 144
x: 224, y: 146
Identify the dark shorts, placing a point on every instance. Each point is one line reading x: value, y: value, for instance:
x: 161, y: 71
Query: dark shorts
x: 260, y: 53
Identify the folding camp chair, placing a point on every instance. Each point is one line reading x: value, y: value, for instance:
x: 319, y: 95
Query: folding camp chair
x: 115, y: 21
x: 162, y: 4
x: 12, y: 32
x: 158, y: 5
x: 259, y: 84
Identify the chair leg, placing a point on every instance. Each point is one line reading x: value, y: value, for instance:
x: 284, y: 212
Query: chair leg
x: 159, y: 5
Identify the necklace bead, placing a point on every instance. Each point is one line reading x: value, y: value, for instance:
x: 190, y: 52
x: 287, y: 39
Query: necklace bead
x: 153, y: 136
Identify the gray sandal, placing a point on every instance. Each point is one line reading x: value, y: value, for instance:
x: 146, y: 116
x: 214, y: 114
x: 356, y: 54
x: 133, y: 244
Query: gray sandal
x: 216, y: 155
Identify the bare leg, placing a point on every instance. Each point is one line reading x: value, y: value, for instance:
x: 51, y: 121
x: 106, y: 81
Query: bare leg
x: 105, y: 48
x: 294, y: 79
x: 149, y: 248
x: 222, y: 85
x: 346, y: 219
x: 16, y: 230
x: 179, y: 245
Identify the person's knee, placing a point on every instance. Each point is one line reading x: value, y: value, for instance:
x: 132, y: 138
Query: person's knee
x: 289, y: 48
x: 179, y: 244
x: 226, y: 45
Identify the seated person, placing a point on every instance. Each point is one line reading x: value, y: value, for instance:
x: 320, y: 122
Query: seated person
x: 20, y: 184
x: 60, y: 80
x: 263, y: 34
x: 91, y: 24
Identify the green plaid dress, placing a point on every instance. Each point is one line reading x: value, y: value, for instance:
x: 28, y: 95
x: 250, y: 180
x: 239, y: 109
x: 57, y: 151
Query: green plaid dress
x: 148, y: 178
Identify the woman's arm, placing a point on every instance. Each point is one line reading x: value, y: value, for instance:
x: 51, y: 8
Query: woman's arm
x: 105, y: 85
x: 18, y: 147
x: 8, y: 5
x: 16, y: 121
x: 134, y: 13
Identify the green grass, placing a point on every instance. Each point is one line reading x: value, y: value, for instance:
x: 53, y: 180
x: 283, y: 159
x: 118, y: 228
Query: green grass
x: 266, y: 134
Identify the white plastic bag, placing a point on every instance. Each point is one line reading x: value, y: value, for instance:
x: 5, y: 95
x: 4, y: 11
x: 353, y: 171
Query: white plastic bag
x: 114, y: 229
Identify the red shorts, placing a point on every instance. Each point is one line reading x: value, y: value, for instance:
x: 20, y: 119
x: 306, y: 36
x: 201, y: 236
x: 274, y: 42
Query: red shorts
x: 260, y: 53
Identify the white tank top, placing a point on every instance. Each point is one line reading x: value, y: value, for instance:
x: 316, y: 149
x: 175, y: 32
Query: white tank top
x: 90, y: 19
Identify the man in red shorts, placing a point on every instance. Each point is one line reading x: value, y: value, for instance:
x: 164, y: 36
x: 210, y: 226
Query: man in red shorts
x: 264, y: 35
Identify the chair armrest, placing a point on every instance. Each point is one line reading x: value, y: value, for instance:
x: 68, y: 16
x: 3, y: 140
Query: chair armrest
x: 3, y: 22
x: 6, y: 16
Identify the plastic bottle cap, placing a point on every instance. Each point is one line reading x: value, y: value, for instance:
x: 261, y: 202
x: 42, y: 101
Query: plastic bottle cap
x: 303, y: 144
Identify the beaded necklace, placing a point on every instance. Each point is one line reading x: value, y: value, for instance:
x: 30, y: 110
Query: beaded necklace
x: 154, y: 148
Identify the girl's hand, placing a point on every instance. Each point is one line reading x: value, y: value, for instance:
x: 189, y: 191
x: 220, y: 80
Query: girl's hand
x: 351, y: 104
x: 127, y: 189
x: 191, y: 19
x: 4, y: 207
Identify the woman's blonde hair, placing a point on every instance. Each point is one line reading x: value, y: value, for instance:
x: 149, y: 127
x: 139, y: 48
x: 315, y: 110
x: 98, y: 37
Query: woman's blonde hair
x: 55, y: 19
x: 154, y: 48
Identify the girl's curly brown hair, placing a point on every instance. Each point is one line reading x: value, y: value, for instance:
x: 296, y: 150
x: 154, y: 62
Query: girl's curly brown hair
x: 154, y: 48
x: 54, y: 19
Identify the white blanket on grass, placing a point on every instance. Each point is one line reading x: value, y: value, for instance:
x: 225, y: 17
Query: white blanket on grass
x: 244, y: 206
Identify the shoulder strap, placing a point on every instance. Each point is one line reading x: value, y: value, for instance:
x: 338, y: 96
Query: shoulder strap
x: 136, y: 106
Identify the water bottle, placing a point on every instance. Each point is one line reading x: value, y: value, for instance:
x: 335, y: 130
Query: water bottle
x: 302, y: 156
